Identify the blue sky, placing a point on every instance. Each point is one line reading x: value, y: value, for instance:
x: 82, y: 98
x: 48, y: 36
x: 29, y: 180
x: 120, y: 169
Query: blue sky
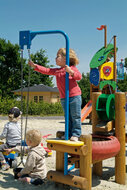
x: 77, y: 18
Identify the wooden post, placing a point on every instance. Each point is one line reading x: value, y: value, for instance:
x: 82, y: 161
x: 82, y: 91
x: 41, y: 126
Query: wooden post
x: 114, y: 59
x: 75, y: 181
x: 90, y: 99
x: 59, y: 161
x: 120, y: 170
x: 86, y: 161
x: 95, y: 118
x: 59, y: 156
x: 97, y: 168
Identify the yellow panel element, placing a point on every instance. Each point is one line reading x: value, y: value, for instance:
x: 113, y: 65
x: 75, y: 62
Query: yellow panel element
x: 5, y: 153
x: 106, y: 71
x: 65, y: 142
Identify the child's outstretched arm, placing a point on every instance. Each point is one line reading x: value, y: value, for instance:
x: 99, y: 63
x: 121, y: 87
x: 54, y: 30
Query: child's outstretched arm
x: 18, y: 149
x: 32, y: 64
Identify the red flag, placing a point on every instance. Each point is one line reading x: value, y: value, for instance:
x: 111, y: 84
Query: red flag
x: 101, y: 27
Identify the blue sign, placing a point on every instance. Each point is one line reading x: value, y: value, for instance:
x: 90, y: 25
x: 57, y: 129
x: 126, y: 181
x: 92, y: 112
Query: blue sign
x: 120, y: 71
x: 94, y: 76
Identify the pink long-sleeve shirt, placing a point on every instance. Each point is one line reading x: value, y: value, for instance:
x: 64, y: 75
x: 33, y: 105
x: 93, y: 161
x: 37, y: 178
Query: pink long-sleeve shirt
x: 60, y: 74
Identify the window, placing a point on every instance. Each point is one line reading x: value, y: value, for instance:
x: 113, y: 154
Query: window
x: 36, y: 99
x: 40, y: 98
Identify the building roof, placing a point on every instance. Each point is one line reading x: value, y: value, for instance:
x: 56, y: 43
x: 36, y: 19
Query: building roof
x: 38, y: 88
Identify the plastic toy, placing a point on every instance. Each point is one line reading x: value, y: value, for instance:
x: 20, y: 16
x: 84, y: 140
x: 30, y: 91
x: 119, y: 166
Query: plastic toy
x: 11, y: 158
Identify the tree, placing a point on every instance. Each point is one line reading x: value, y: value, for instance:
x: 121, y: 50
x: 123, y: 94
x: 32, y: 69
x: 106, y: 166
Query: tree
x: 10, y: 69
x: 36, y: 77
x: 84, y: 84
x: 122, y: 84
x: 125, y: 63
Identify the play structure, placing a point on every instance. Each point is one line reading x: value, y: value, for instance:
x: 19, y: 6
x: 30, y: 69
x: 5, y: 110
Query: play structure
x: 108, y: 109
x: 86, y: 111
x: 108, y: 121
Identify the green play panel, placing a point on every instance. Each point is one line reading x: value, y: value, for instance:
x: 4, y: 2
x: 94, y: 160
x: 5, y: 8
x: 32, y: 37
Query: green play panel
x: 100, y: 57
x: 107, y: 82
x: 105, y: 107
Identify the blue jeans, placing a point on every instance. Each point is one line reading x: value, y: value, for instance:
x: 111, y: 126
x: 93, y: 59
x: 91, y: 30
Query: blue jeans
x: 74, y: 115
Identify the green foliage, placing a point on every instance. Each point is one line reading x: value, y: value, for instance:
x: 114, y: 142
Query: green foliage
x: 6, y: 104
x: 84, y: 84
x: 122, y: 84
x: 125, y: 63
x: 37, y: 78
x: 44, y: 108
x: 41, y: 108
x: 10, y: 69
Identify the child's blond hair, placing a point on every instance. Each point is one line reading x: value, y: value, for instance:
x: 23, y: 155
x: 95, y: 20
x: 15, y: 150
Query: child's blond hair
x: 73, y: 59
x: 34, y: 136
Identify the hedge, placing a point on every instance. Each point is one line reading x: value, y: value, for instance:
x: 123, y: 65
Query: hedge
x: 41, y: 108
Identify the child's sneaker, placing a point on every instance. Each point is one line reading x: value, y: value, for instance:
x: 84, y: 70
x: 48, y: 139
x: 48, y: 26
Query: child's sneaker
x: 5, y: 166
x: 74, y: 139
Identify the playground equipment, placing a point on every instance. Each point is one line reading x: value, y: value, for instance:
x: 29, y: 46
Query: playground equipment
x: 10, y: 158
x: 119, y: 128
x: 83, y: 150
x: 49, y: 151
x: 86, y: 111
x: 25, y: 39
x: 108, y: 111
x: 83, y: 154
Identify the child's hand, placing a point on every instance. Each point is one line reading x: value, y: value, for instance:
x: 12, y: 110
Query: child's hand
x: 69, y: 70
x: 32, y: 64
x: 8, y: 150
x: 19, y: 174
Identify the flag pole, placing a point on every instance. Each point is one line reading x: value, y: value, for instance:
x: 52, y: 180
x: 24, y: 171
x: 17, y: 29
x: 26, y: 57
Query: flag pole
x: 105, y: 36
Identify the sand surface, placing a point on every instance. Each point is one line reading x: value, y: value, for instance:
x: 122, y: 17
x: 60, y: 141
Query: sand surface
x: 50, y: 126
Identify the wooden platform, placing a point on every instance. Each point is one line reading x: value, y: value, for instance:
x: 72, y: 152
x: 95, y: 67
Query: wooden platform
x: 65, y: 142
x: 71, y: 147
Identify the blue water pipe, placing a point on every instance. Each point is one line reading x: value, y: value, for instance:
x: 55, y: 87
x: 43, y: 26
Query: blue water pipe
x: 25, y: 39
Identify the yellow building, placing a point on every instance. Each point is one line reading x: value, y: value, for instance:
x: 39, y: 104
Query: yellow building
x: 39, y: 93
